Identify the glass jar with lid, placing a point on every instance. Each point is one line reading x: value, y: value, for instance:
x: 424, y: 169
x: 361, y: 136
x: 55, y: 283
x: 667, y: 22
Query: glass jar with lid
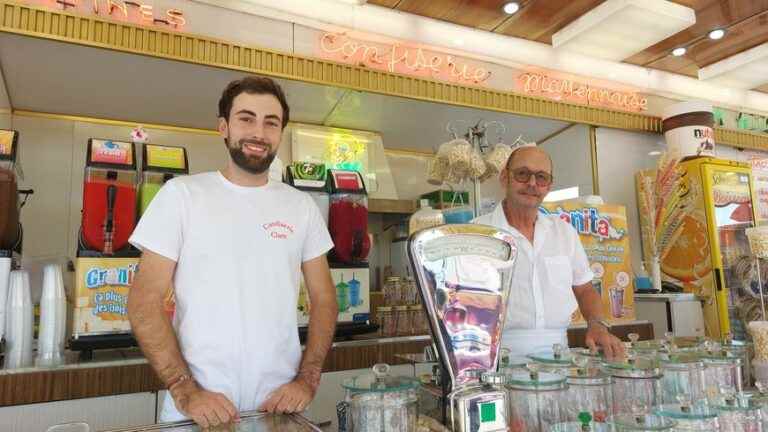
x: 403, y: 318
x: 759, y: 400
x: 699, y: 417
x: 387, y: 322
x: 379, y: 402
x: 737, y: 414
x: 589, y: 391
x: 744, y: 351
x: 722, y: 370
x: 636, y: 382
x: 536, y: 399
x: 640, y: 423
x: 418, y: 320
x: 683, y: 374
x: 393, y: 291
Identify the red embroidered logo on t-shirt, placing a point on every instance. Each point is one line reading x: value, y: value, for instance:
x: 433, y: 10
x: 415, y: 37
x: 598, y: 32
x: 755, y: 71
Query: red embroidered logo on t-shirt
x: 278, y: 229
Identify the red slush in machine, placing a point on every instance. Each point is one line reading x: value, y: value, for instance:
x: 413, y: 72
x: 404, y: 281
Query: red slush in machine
x: 109, y: 199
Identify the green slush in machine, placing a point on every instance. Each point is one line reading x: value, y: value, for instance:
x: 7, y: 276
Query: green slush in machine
x: 159, y: 164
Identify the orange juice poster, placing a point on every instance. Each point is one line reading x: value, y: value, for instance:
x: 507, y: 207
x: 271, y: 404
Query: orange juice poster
x: 604, y: 235
x: 101, y: 295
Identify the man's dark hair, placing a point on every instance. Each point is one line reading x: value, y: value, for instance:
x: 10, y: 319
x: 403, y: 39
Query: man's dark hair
x: 252, y: 85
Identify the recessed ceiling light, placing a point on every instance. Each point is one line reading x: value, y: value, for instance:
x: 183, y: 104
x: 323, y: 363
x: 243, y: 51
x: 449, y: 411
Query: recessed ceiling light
x: 717, y: 34
x: 511, y: 8
x: 679, y: 52
x: 654, y: 153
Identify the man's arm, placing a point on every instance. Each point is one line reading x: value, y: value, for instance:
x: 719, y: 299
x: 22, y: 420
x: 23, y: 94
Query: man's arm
x: 157, y: 339
x: 297, y: 395
x: 591, y: 307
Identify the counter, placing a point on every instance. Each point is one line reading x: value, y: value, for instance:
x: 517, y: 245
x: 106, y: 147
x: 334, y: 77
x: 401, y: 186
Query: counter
x: 251, y: 422
x: 126, y: 371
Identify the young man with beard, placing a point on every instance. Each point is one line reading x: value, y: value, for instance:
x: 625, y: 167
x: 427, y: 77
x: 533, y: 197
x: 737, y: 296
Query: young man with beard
x: 231, y: 245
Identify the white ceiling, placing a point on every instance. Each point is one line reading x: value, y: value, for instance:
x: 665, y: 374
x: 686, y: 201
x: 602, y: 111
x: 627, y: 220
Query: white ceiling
x: 54, y: 77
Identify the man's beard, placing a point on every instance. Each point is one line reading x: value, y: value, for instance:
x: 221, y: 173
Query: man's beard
x: 250, y: 164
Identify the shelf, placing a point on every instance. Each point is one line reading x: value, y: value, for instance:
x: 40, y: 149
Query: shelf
x: 391, y: 206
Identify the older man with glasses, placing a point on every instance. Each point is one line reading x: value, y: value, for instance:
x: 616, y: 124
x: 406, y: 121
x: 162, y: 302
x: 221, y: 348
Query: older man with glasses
x: 552, y: 275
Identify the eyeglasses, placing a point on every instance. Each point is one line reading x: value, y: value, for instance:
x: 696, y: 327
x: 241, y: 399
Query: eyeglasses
x: 523, y: 175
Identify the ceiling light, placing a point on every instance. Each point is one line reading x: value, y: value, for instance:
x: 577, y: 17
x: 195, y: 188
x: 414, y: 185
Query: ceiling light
x: 511, y: 8
x: 654, y: 153
x: 679, y: 52
x: 717, y: 34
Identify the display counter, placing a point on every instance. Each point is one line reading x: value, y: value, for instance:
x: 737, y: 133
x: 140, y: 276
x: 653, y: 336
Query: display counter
x: 249, y: 422
x: 125, y: 371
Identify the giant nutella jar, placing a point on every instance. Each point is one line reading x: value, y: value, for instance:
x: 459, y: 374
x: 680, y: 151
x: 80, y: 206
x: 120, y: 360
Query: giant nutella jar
x: 687, y: 128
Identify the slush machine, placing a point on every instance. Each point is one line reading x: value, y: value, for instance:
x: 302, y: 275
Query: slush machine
x: 106, y: 262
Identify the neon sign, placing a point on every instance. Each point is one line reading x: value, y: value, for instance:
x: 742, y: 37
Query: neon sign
x: 568, y: 90
x: 135, y: 12
x: 399, y: 58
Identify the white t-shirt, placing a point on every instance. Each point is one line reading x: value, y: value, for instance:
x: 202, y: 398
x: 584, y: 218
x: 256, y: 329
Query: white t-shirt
x: 541, y: 301
x: 239, y: 252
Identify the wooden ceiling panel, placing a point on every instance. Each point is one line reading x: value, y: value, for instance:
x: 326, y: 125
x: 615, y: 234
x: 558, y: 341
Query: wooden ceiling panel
x: 384, y: 3
x: 710, y: 14
x: 481, y: 14
x: 538, y: 20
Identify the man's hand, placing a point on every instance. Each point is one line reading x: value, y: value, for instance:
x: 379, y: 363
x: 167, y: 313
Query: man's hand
x: 207, y: 409
x: 598, y: 336
x: 293, y: 397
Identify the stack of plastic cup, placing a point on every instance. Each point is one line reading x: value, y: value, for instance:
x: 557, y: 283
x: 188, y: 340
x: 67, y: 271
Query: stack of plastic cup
x: 5, y: 275
x: 53, y: 310
x: 18, y: 325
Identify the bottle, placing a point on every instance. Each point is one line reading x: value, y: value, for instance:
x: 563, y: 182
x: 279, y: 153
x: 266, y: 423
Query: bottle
x: 426, y: 217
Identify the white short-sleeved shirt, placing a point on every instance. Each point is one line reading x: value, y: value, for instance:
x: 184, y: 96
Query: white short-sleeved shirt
x: 541, y: 301
x: 239, y: 252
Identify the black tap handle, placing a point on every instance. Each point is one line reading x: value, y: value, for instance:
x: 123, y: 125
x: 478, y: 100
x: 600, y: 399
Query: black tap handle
x: 111, y: 196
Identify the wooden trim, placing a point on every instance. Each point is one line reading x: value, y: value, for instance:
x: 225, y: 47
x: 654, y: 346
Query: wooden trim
x: 595, y: 165
x: 91, y: 31
x: 391, y: 206
x: 113, y: 122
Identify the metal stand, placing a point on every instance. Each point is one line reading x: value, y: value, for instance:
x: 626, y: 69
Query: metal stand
x: 476, y: 135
